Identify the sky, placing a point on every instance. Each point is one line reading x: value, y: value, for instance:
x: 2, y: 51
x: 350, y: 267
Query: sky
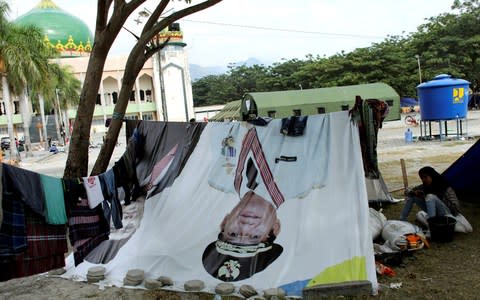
x: 271, y: 30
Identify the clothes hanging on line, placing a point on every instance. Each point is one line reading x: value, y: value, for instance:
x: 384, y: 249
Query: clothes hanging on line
x: 87, y: 227
x: 112, y: 209
x: 54, y: 201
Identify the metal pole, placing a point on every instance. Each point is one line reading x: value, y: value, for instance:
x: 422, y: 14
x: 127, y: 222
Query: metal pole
x: 44, y: 122
x: 162, y: 87
x: 419, y: 68
x: 58, y: 117
x: 404, y: 174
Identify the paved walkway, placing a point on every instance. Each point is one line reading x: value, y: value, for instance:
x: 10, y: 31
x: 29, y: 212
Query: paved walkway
x: 53, y: 164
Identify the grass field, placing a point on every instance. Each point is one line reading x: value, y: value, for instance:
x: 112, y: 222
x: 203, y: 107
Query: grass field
x: 445, y: 270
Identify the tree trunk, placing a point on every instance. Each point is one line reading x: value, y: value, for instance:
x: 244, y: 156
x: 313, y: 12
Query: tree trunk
x: 57, y: 116
x: 135, y: 62
x: 8, y: 112
x: 105, y: 33
x: 115, y: 126
x: 26, y: 117
x: 44, y: 122
x: 77, y: 160
x: 66, y: 125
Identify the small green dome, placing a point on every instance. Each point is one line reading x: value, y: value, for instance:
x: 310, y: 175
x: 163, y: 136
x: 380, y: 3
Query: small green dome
x: 64, y: 31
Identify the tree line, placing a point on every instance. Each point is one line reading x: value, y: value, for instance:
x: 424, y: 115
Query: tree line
x: 445, y: 44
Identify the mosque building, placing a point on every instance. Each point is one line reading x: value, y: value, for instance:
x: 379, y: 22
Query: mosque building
x: 162, y: 91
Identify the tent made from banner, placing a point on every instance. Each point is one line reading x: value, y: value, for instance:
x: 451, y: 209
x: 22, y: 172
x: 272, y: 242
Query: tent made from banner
x: 377, y: 189
x: 202, y: 220
x: 282, y: 104
x: 463, y: 174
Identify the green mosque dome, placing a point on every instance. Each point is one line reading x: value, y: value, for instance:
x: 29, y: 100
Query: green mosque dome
x: 64, y: 31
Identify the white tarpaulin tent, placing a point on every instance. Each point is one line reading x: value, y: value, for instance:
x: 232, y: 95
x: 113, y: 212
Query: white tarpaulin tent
x: 315, y: 182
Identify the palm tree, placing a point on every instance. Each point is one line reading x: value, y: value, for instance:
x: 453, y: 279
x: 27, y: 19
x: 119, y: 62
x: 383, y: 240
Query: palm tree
x: 26, y: 62
x: 68, y: 93
x: 3, y: 31
x: 33, y: 69
x: 63, y: 90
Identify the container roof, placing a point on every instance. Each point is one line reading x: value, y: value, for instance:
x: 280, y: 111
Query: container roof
x: 442, y: 80
x: 230, y: 111
x: 377, y: 90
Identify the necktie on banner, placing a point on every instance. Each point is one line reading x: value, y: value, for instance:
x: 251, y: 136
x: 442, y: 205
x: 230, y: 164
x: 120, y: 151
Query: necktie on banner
x: 252, y: 144
x: 292, y: 165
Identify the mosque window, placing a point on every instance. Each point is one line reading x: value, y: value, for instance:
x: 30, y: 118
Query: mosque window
x: 132, y: 96
x: 142, y: 95
x: 344, y: 106
x: 131, y: 117
x: 321, y: 110
x: 147, y: 117
x: 16, y: 107
x: 98, y: 101
x: 148, y: 94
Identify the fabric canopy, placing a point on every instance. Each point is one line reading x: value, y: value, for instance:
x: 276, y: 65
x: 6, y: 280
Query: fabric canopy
x: 463, y: 174
x: 314, y: 184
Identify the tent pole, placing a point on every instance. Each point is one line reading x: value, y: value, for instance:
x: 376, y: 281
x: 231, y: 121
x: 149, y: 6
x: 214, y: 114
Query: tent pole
x: 404, y: 174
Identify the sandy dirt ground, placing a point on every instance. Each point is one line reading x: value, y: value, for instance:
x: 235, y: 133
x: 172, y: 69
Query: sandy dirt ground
x: 391, y: 148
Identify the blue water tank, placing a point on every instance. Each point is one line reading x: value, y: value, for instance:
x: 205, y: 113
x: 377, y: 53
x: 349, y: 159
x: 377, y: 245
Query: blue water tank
x: 443, y: 98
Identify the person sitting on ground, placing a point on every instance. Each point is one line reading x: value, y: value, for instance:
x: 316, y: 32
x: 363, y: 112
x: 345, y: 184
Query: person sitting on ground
x: 434, y: 196
x: 54, y: 148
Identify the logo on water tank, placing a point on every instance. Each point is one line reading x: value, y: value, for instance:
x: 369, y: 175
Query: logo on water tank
x: 458, y: 94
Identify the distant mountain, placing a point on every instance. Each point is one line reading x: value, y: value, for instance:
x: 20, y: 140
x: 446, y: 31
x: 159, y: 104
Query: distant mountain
x: 197, y: 71
x: 249, y: 62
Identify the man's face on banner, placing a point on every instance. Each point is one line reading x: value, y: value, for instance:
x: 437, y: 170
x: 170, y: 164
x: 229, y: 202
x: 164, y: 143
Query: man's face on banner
x: 250, y: 221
